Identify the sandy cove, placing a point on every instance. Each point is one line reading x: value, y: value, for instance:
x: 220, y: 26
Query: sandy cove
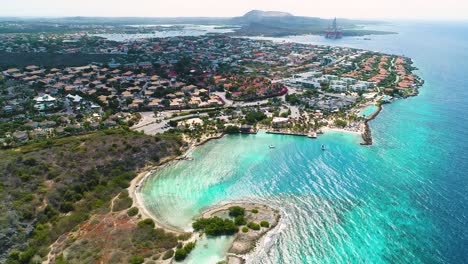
x: 134, y: 193
x: 243, y: 242
x: 139, y: 180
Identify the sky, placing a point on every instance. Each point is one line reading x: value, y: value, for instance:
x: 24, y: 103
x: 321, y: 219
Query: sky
x: 364, y: 9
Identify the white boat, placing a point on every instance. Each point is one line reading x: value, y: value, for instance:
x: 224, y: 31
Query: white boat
x: 271, y: 146
x: 323, y: 147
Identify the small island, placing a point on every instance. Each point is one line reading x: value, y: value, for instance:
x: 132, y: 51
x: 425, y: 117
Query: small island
x: 248, y: 222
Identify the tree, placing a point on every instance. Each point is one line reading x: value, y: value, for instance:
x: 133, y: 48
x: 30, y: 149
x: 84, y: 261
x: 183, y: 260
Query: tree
x: 132, y: 211
x: 254, y: 117
x: 231, y: 129
x: 168, y: 254
x: 236, y: 211
x: 180, y: 254
x: 253, y: 226
x: 148, y: 222
x: 240, y: 220
x: 340, y: 123
x: 173, y: 123
x: 215, y: 226
x: 264, y: 224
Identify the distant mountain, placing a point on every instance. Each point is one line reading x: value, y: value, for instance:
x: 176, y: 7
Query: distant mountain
x: 274, y: 23
x: 259, y: 14
x: 253, y: 23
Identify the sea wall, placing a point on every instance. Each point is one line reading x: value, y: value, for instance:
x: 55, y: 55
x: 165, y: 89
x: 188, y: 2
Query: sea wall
x: 367, y: 135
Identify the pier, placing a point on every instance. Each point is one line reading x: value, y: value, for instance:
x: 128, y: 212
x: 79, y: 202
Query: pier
x: 311, y: 135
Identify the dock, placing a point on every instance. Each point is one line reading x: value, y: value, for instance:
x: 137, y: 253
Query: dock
x: 311, y: 135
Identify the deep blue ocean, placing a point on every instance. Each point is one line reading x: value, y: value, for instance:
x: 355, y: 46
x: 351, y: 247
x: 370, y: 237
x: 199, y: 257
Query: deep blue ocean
x: 402, y: 200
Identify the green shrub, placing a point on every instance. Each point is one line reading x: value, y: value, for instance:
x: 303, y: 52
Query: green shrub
x: 215, y: 226
x: 245, y: 229
x: 122, y: 203
x: 340, y: 123
x: 264, y: 224
x: 236, y: 211
x: 180, y: 254
x: 132, y: 211
x: 189, y: 247
x: 136, y: 260
x: 168, y: 254
x: 240, y: 220
x: 146, y: 223
x: 184, y: 236
x: 255, y: 211
x: 231, y: 129
x: 253, y: 226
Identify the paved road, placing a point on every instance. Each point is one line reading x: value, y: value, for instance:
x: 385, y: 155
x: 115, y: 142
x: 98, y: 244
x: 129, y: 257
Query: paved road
x: 229, y: 102
x: 152, y: 125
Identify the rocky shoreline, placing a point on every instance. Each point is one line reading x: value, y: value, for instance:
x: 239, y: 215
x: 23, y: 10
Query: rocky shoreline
x: 246, y: 242
x: 367, y: 134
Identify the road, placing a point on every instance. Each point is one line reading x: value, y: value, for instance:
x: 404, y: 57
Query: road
x: 152, y: 125
x: 229, y: 103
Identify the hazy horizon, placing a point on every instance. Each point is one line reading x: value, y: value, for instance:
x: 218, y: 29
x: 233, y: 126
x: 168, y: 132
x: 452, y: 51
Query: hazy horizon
x: 358, y: 9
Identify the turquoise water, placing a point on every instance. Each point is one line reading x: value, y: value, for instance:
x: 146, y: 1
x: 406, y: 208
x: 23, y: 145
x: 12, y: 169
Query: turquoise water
x: 369, y: 110
x: 402, y: 200
x: 209, y: 250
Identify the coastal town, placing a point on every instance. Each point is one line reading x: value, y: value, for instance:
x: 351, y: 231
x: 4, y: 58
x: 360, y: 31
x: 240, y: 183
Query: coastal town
x: 179, y: 92
x: 198, y: 87
x: 102, y: 122
x: 233, y: 132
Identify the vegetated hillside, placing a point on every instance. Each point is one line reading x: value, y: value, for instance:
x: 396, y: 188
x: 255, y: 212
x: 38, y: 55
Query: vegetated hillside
x: 117, y: 237
x: 48, y: 188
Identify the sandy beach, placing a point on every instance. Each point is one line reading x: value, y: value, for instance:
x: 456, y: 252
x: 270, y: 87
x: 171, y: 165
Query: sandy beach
x: 135, y: 194
x: 335, y: 129
x: 139, y: 180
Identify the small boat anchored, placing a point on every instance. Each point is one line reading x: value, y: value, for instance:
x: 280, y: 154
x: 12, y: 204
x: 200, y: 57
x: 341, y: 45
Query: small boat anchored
x: 323, y: 147
x: 272, y: 146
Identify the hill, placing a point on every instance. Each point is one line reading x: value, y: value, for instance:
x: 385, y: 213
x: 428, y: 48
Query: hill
x: 49, y: 188
x: 253, y: 23
x: 275, y: 24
